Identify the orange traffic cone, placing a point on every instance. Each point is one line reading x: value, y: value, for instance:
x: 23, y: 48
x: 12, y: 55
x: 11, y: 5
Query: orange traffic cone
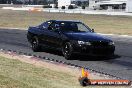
x: 85, y: 73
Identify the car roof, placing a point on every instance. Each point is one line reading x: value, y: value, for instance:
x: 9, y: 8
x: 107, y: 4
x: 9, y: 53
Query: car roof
x: 65, y: 20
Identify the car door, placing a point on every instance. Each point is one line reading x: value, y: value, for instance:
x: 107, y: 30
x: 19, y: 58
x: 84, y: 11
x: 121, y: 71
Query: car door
x: 43, y: 33
x: 54, y: 37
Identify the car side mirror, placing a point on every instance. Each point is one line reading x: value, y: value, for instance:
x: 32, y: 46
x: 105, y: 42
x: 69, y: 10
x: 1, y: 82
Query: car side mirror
x: 92, y: 30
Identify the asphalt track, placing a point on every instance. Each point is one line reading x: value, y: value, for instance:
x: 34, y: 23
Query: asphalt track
x: 120, y: 65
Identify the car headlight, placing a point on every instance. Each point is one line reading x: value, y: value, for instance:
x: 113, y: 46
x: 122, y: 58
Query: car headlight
x: 84, y: 43
x: 111, y: 43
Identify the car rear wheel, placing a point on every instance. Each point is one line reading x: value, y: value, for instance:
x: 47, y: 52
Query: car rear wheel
x: 67, y: 50
x: 35, y: 44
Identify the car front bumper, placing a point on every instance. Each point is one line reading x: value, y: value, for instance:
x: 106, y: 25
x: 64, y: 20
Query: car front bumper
x: 94, y: 50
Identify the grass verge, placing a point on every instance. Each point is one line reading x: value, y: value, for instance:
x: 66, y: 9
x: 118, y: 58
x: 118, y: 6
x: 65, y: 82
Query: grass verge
x: 101, y: 23
x: 18, y: 74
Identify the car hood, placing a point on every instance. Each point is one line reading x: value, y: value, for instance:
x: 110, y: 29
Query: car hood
x: 86, y: 36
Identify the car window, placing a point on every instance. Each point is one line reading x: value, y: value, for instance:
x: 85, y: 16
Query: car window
x: 82, y: 27
x: 68, y: 26
x: 44, y: 25
x: 74, y: 26
x: 53, y: 26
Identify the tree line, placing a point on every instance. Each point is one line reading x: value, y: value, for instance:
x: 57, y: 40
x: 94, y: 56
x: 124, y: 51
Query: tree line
x: 41, y: 2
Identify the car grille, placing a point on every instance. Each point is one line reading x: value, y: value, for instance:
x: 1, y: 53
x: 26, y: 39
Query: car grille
x: 102, y: 50
x: 99, y: 43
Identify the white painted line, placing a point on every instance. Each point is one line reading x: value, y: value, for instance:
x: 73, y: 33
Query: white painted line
x: 74, y: 11
x: 13, y: 28
x: 125, y: 36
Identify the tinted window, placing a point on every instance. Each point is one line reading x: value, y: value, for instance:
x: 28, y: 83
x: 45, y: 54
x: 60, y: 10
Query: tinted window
x: 54, y: 26
x: 74, y: 26
x: 44, y: 25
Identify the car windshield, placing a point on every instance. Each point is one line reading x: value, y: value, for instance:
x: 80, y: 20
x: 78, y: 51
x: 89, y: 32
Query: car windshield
x: 74, y: 26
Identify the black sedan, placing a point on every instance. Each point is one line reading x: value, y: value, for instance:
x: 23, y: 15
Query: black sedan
x: 70, y: 37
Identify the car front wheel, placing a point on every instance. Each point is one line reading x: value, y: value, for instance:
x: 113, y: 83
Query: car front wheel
x: 67, y: 50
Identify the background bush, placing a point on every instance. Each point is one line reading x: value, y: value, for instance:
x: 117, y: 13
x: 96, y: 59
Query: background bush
x: 63, y: 7
x: 47, y: 6
x: 70, y: 7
